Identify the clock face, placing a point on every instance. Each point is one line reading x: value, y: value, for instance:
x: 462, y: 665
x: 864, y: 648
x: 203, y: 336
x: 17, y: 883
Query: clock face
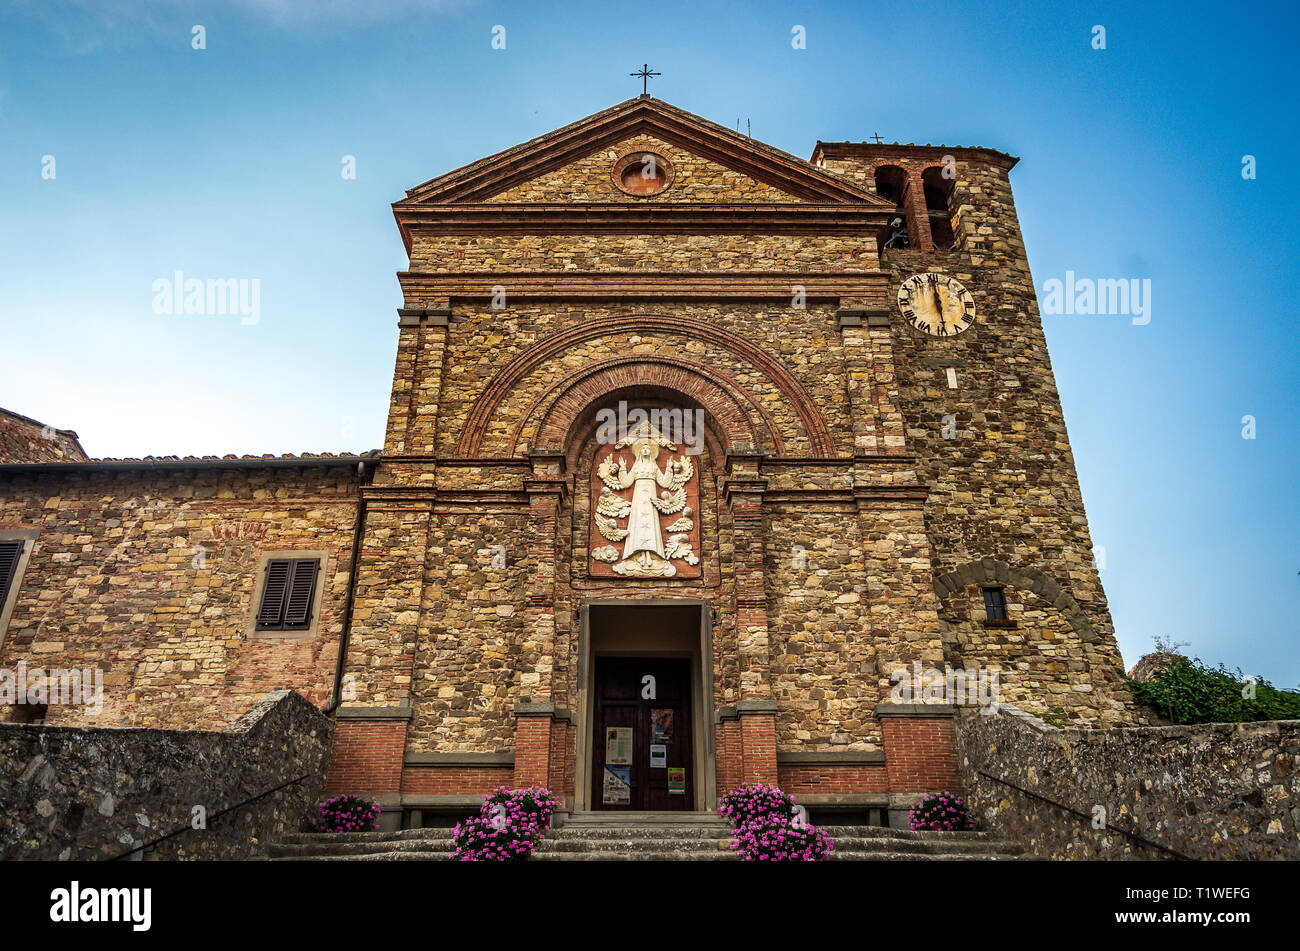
x: 937, y: 304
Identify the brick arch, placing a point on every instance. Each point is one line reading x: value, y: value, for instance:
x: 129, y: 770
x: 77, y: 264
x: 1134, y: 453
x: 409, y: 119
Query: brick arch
x: 558, y: 409
x: 485, y: 407
x: 993, y: 571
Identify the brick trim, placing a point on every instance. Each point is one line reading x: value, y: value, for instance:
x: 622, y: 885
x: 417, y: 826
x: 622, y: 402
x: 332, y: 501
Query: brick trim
x: 567, y: 399
x: 509, y: 377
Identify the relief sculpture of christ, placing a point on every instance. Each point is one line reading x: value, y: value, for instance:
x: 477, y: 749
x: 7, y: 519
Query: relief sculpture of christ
x: 655, y: 492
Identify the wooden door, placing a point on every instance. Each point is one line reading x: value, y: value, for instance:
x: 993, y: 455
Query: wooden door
x: 642, y: 754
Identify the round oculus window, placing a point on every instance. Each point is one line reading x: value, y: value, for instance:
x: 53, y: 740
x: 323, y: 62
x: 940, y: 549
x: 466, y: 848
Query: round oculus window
x: 642, y: 174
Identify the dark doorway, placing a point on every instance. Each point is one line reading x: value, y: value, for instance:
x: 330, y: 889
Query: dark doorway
x: 642, y: 756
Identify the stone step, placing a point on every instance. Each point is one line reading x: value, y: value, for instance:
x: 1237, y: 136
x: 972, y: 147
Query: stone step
x: 405, y: 835
x: 649, y: 837
x: 930, y: 847
x: 626, y: 844
x: 368, y: 857
x: 884, y: 832
x: 642, y: 818
x: 313, y: 849
x: 611, y: 856
x: 700, y: 833
x: 916, y: 857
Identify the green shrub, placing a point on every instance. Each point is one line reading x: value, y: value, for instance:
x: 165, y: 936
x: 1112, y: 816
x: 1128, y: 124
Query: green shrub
x: 1191, y: 692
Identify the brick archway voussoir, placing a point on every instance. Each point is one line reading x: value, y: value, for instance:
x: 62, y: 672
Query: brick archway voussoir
x: 505, y: 381
x: 721, y: 406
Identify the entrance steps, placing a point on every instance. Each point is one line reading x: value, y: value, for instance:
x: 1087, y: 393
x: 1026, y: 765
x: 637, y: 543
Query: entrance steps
x: 409, y: 845
x: 669, y: 837
x: 877, y: 843
x: 638, y: 836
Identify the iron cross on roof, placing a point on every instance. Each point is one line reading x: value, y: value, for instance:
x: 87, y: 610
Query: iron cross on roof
x: 645, y: 74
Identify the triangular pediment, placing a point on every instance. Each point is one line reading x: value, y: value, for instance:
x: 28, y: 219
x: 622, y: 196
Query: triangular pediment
x: 709, y: 163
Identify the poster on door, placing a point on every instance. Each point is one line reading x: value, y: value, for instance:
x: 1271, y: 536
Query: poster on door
x: 618, y: 745
x: 677, y: 781
x: 661, y: 725
x: 617, y: 786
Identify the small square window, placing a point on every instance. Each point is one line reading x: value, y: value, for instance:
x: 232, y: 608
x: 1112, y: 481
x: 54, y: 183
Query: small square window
x: 288, y: 593
x: 995, y: 604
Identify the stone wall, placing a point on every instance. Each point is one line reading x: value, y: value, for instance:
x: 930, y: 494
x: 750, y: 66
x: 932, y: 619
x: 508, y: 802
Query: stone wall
x: 149, y: 575
x: 94, y: 793
x: 1213, y: 791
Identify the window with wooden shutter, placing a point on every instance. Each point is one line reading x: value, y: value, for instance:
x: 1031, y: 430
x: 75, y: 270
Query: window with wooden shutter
x: 301, y: 589
x: 288, y: 592
x: 10, y: 554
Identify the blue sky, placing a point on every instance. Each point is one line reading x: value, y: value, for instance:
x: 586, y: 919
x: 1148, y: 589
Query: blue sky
x: 225, y: 162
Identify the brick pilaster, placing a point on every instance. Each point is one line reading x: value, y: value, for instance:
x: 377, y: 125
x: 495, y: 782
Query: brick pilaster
x: 366, y: 757
x: 744, y: 493
x: 533, y: 745
x: 920, y: 747
x: 757, y: 741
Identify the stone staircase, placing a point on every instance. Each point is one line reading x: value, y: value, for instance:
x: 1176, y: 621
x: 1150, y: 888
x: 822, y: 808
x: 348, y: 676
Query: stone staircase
x: 671, y: 837
x: 875, y: 843
x: 409, y: 845
x: 638, y: 836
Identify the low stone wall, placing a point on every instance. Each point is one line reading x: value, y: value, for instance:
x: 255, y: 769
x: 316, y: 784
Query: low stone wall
x: 1216, y: 791
x: 79, y: 793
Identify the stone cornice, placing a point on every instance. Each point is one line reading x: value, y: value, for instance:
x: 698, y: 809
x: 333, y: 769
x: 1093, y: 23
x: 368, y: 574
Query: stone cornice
x: 907, y: 151
x: 374, y: 713
x: 641, y: 218
x: 769, y: 286
x: 926, y: 710
x: 831, y: 758
x: 502, y: 758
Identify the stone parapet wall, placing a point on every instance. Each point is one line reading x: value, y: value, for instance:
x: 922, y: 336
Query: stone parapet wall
x: 1212, y: 791
x: 95, y: 793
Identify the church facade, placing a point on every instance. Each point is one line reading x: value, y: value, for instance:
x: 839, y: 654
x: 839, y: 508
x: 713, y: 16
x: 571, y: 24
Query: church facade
x: 704, y: 464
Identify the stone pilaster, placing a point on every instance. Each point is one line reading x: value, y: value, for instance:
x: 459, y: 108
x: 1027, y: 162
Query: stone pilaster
x: 872, y: 383
x: 386, y: 607
x: 743, y: 490
x: 417, y: 380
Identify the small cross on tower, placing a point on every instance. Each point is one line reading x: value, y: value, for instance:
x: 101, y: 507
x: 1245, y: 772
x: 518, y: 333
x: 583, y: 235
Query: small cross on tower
x: 645, y: 74
x: 877, y: 138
